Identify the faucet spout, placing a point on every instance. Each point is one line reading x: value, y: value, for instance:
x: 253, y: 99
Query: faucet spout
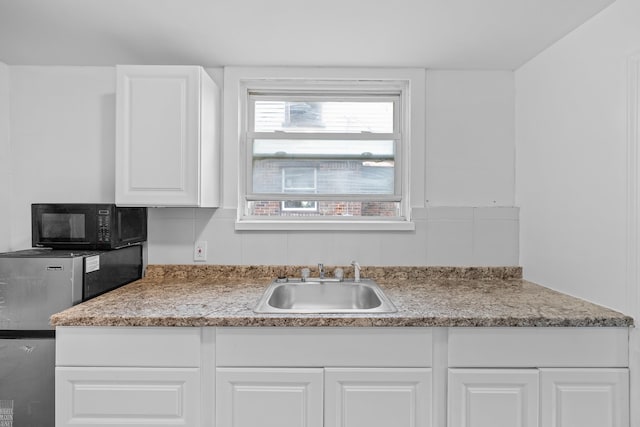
x: 356, y: 271
x: 321, y: 270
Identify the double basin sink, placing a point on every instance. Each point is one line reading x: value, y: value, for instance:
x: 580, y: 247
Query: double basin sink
x: 324, y: 296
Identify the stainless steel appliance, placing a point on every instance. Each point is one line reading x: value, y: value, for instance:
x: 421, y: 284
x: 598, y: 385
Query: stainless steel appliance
x: 34, y: 284
x: 87, y: 225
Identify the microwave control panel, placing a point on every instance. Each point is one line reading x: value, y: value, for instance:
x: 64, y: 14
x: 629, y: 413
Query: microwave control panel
x: 104, y: 227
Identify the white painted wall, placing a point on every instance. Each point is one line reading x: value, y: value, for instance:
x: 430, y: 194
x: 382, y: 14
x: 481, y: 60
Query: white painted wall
x: 5, y: 160
x: 572, y: 177
x: 62, y: 122
x: 62, y: 139
x: 470, y: 134
x: 469, y: 119
x: 571, y: 122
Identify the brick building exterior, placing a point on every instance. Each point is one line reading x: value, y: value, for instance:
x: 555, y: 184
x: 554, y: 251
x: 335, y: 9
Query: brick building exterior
x: 323, y: 177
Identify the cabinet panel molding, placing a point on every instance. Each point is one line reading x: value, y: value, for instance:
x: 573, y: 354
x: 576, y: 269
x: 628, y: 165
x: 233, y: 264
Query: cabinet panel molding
x: 493, y: 398
x: 584, y: 397
x: 128, y: 396
x: 250, y: 397
x: 399, y: 397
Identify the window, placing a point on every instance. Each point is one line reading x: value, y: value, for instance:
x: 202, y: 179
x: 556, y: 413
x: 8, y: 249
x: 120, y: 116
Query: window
x: 323, y: 152
x: 299, y: 180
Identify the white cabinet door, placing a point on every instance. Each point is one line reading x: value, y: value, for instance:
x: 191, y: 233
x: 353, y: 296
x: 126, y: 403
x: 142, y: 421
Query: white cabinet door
x: 142, y: 397
x: 493, y: 398
x: 373, y: 397
x: 584, y: 397
x: 165, y: 144
x: 269, y: 397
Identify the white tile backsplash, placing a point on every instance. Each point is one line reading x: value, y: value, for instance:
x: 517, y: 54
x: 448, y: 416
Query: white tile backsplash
x: 443, y: 235
x: 264, y: 248
x: 224, y: 245
x: 401, y: 248
x: 496, y: 213
x: 449, y: 240
x: 309, y: 248
x: 449, y: 213
x: 495, y: 241
x: 363, y: 246
x: 170, y: 240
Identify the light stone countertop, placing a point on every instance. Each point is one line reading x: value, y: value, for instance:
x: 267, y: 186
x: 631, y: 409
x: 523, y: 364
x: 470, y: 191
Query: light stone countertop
x: 424, y: 296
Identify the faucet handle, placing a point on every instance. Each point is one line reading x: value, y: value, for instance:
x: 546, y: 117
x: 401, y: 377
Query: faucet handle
x: 356, y: 271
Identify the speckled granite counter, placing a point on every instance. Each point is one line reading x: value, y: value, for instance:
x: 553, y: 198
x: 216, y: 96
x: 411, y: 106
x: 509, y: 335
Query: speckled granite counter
x: 425, y: 296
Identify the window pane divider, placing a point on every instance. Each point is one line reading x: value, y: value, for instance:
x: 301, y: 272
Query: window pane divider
x: 324, y: 96
x: 321, y: 197
x: 325, y: 218
x: 285, y: 156
x: 357, y: 136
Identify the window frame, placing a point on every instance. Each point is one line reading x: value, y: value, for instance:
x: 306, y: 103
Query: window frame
x: 400, y: 87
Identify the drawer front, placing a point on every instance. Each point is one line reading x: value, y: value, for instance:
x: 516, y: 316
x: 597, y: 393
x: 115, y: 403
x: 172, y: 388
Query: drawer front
x: 128, y: 396
x: 538, y: 347
x: 127, y: 346
x: 324, y: 347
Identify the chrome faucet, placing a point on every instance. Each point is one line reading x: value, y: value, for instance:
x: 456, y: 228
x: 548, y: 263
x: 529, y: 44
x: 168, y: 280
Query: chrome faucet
x: 356, y: 271
x: 321, y: 270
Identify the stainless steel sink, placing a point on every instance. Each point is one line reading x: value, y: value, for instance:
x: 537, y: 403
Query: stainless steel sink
x: 324, y: 296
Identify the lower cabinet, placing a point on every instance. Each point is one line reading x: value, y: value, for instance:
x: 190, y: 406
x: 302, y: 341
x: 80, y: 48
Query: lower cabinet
x: 348, y: 397
x: 377, y: 397
x: 269, y: 397
x: 342, y: 377
x: 563, y: 397
x: 130, y: 376
x: 584, y: 397
x: 144, y: 397
x: 493, y: 398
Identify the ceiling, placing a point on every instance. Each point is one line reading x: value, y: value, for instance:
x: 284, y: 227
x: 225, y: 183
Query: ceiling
x: 448, y: 34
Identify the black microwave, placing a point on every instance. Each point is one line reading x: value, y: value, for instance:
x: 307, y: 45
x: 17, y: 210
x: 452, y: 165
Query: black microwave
x: 87, y: 225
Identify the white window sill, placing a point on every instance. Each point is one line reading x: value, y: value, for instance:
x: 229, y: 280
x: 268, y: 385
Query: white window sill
x: 325, y: 225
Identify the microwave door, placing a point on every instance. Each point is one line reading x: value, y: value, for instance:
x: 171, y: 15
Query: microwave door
x: 65, y: 226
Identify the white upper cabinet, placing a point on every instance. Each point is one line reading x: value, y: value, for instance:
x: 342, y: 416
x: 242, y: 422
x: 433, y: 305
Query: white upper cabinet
x: 167, y: 148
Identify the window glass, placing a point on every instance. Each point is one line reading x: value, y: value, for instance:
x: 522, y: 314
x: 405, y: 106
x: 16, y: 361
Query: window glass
x: 324, y: 116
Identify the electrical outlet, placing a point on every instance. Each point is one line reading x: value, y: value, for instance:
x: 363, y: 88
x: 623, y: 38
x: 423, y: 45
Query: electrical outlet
x: 200, y: 251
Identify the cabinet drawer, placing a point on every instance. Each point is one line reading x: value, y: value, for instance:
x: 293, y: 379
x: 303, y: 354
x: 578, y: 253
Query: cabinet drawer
x: 291, y: 347
x: 127, y: 346
x: 128, y: 396
x: 538, y: 347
